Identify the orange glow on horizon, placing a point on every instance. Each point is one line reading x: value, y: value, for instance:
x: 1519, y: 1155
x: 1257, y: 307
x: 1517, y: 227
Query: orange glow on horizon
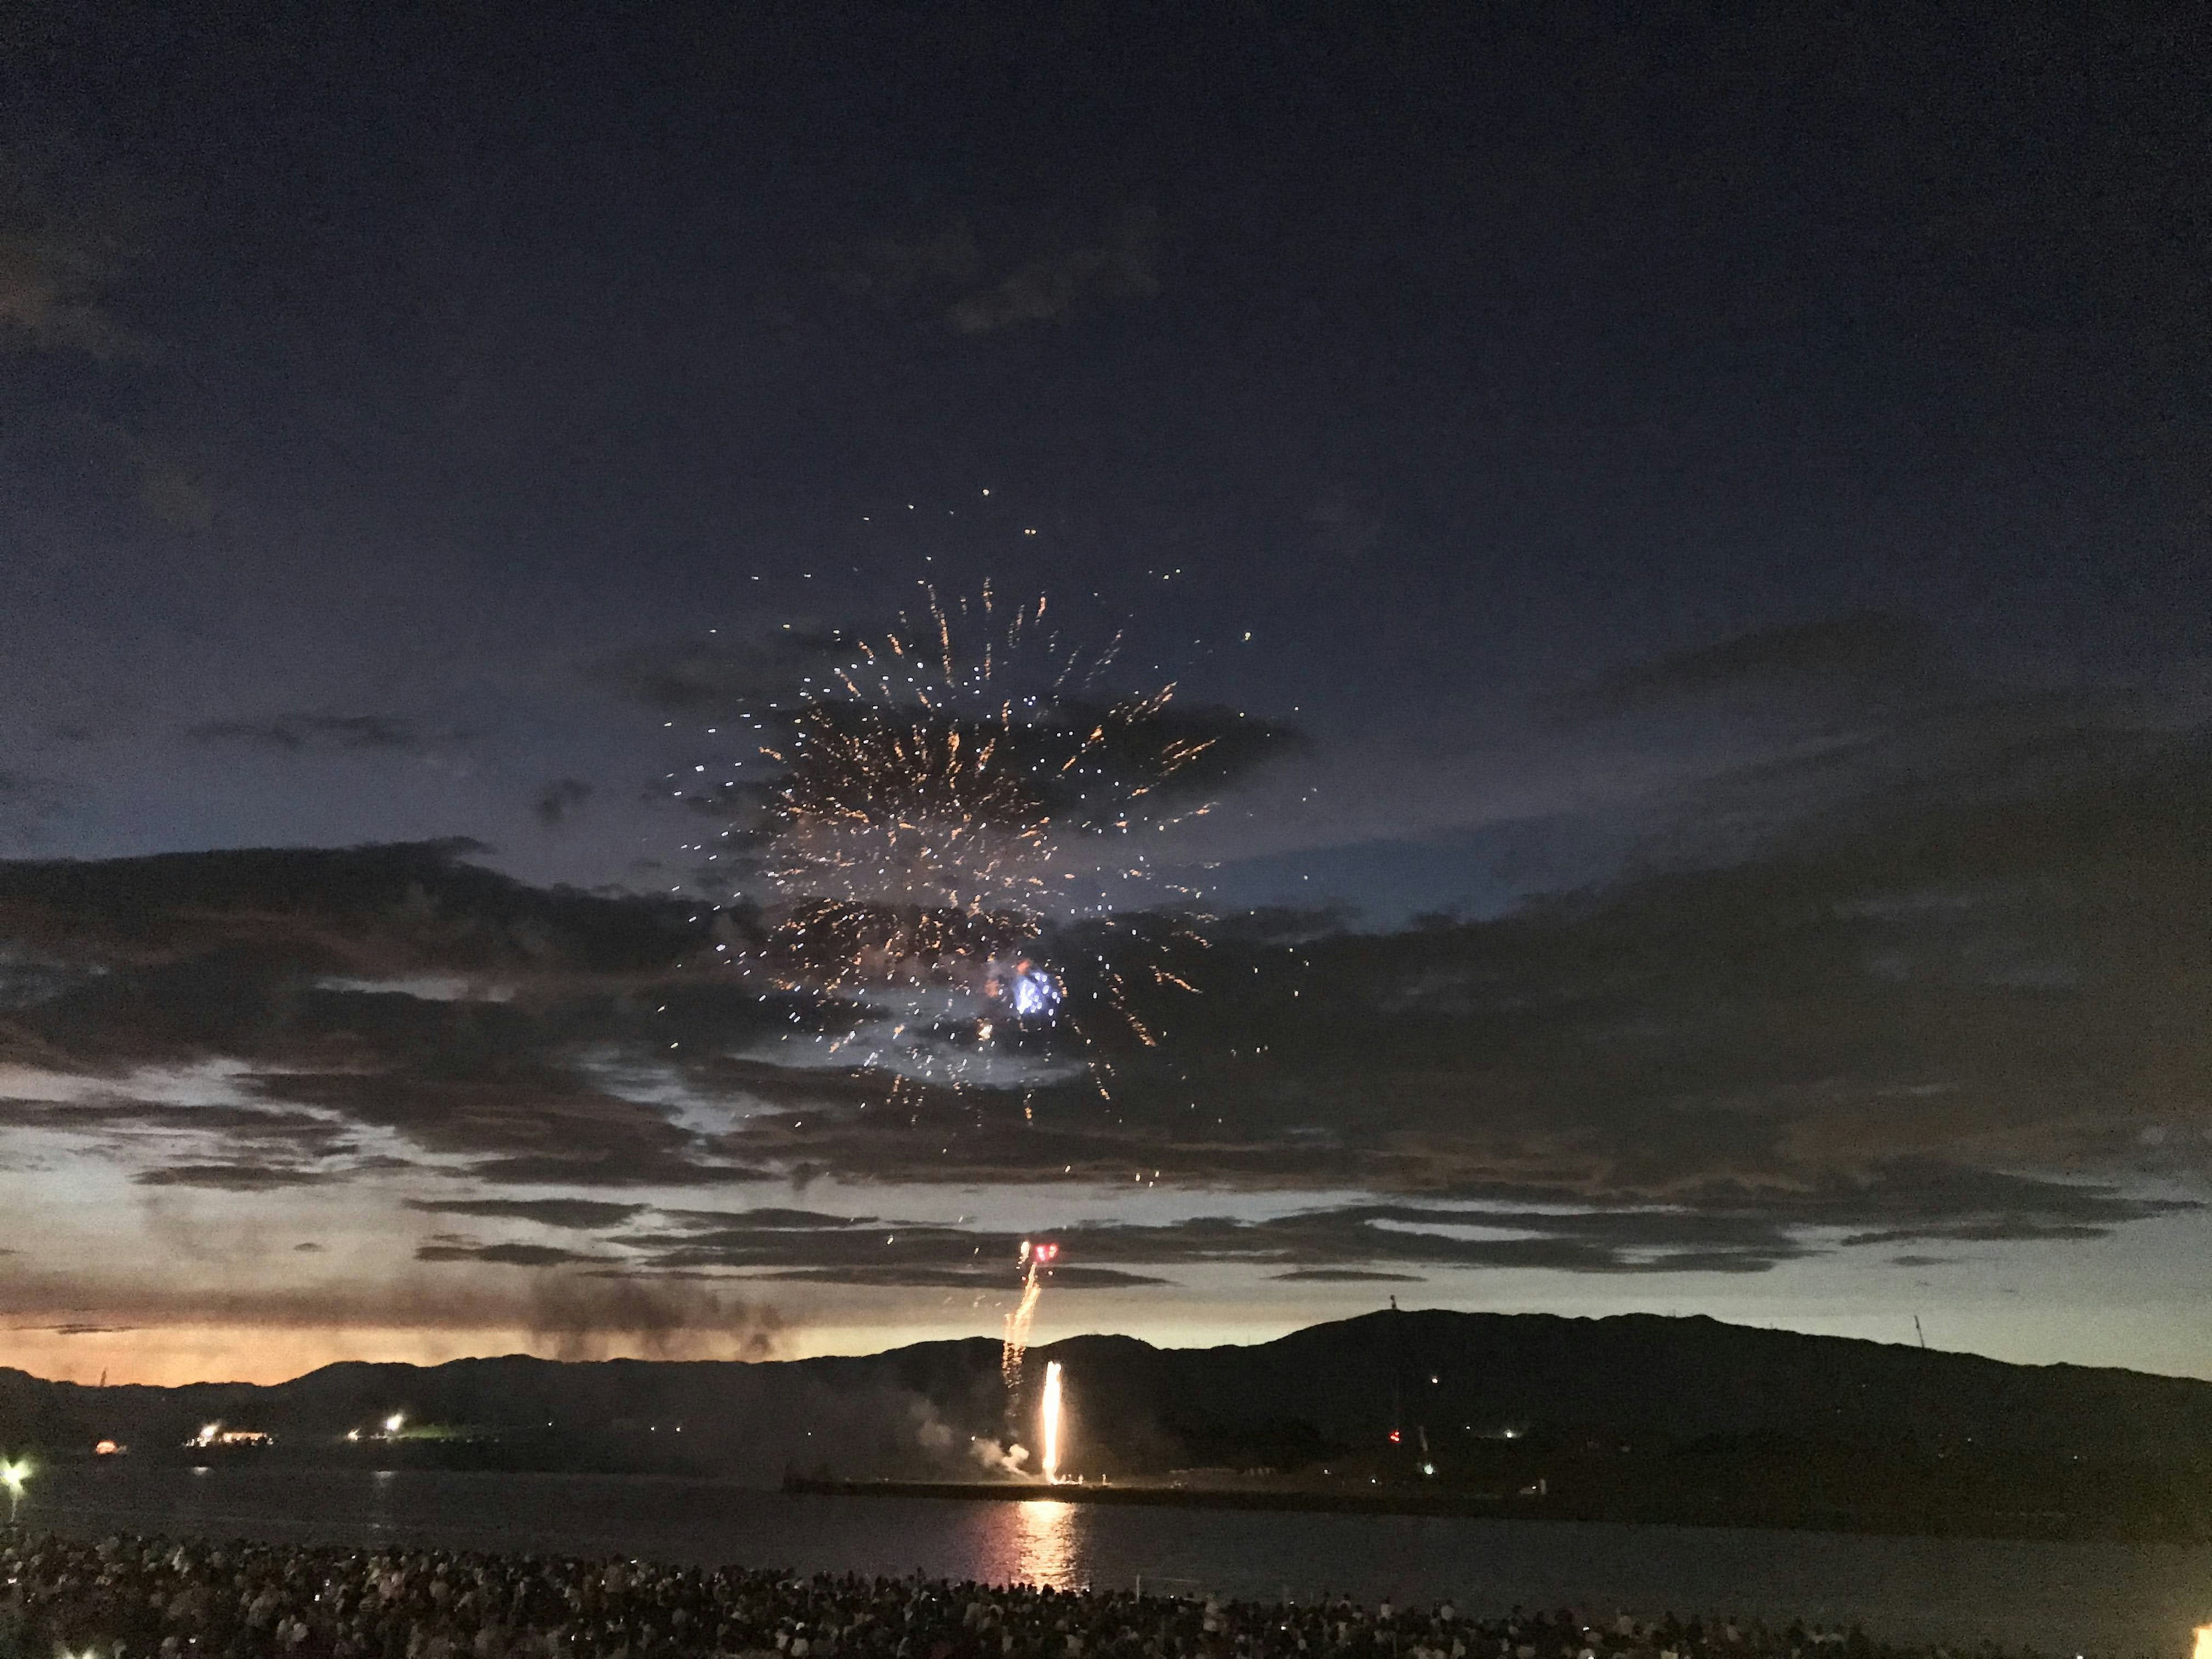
x: 169, y: 1356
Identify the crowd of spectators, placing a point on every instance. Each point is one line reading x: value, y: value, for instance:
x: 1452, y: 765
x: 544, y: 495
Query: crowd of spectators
x: 128, y: 1597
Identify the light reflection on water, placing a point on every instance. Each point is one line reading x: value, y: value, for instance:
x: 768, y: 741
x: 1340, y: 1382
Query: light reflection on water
x: 1044, y: 1543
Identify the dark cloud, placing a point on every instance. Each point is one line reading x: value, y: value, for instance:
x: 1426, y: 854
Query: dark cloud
x: 1820, y: 732
x: 1590, y: 1242
x: 228, y: 1177
x: 1097, y: 1254
x: 986, y: 1137
x: 1955, y: 1013
x: 507, y: 1255
x: 560, y: 800
x: 397, y: 910
x: 918, y: 1278
x: 345, y: 882
x: 275, y: 955
x: 523, y: 1110
x: 1963, y: 977
x: 871, y: 1250
x: 1987, y: 1232
x: 1873, y: 771
x: 644, y: 1169
x: 296, y: 1133
x: 767, y: 1217
x: 1925, y: 1200
x: 294, y: 733
x: 1870, y: 657
x: 1731, y: 1231
x: 578, y: 1213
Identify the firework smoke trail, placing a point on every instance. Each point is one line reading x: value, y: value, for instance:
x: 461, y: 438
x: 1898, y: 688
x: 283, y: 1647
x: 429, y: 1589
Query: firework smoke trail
x: 1050, y: 1414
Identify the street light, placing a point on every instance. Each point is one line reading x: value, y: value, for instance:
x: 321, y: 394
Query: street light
x: 13, y: 1475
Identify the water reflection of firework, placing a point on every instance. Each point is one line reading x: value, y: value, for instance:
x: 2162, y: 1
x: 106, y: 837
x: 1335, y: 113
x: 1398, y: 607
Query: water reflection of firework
x: 1049, y: 1421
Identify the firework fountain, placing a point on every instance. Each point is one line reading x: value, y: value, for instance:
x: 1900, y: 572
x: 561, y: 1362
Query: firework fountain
x: 1048, y: 1421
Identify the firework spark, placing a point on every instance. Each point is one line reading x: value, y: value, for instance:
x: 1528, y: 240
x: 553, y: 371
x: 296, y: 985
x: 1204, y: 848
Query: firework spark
x: 952, y: 798
x: 1036, y: 1260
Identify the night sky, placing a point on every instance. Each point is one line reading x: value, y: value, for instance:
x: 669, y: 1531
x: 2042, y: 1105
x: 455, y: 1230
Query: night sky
x: 1710, y: 507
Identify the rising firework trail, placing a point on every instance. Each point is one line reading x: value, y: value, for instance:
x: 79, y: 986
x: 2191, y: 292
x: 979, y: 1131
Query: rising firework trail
x: 1036, y: 1262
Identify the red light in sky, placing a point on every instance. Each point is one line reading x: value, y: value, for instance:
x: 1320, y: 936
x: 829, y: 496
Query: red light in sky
x: 1394, y: 1436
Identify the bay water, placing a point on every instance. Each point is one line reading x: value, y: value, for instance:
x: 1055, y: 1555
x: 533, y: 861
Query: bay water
x: 2057, y: 1597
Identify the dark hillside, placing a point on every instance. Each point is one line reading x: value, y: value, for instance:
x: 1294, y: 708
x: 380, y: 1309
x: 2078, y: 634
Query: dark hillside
x: 1634, y: 1417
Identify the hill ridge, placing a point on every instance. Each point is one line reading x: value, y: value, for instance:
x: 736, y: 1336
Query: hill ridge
x: 1638, y: 1416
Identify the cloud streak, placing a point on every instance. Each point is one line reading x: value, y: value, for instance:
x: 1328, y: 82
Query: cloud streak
x: 300, y: 734
x: 228, y: 1177
x: 1959, y: 1012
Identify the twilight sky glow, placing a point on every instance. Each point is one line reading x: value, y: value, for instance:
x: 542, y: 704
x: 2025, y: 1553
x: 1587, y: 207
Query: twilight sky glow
x: 1717, y: 502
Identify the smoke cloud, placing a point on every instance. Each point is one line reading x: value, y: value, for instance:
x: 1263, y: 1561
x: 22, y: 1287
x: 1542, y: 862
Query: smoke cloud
x: 590, y: 1318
